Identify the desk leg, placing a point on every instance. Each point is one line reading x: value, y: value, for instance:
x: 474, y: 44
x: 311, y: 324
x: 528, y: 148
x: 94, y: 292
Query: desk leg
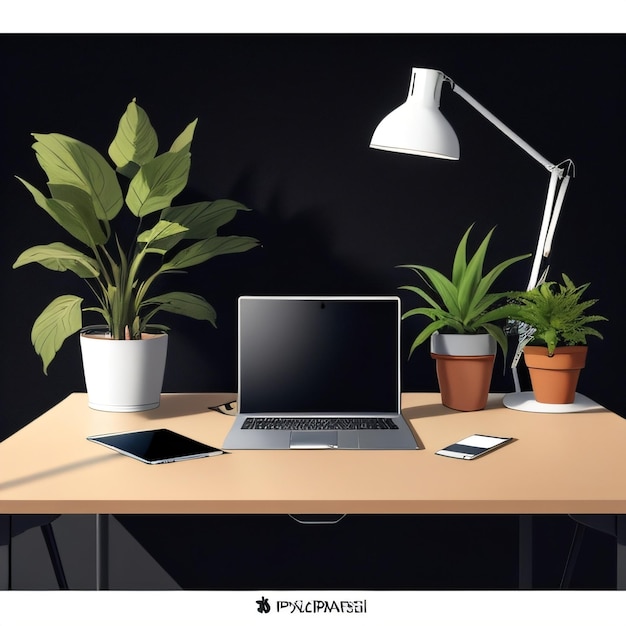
x: 621, y: 552
x: 5, y: 552
x: 525, y: 571
x: 102, y: 551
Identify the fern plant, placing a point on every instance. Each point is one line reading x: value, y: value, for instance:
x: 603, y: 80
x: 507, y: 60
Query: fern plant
x: 463, y: 303
x: 86, y: 196
x: 556, y: 314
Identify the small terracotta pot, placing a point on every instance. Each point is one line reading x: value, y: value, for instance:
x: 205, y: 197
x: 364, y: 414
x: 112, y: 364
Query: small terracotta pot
x: 464, y: 380
x: 554, y: 378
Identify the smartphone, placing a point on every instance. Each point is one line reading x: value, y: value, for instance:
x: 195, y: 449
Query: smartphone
x: 474, y: 446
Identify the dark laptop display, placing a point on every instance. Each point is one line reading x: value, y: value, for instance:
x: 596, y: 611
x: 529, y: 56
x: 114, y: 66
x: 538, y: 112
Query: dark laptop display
x: 319, y: 356
x: 318, y: 371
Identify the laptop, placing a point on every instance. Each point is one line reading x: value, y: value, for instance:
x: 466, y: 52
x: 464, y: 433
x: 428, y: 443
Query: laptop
x: 319, y: 372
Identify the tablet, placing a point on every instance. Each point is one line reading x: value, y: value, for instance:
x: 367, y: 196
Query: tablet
x: 156, y: 446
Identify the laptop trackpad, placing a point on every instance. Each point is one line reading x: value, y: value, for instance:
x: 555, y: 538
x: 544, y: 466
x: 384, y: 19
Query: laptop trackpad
x: 312, y: 439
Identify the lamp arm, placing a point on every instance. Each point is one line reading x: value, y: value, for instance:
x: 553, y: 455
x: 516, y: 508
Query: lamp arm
x: 559, y: 180
x: 548, y: 224
x: 502, y: 127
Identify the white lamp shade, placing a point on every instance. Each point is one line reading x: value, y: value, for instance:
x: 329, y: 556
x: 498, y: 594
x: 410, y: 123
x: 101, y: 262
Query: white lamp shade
x: 418, y: 126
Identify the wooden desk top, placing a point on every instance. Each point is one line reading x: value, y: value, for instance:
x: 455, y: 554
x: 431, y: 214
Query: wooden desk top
x: 563, y: 463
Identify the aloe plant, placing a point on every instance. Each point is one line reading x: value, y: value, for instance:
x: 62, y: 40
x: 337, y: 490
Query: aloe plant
x: 86, y: 195
x: 556, y: 315
x: 463, y: 303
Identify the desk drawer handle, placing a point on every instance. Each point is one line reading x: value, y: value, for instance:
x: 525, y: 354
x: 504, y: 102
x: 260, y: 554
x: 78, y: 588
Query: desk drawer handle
x: 317, y: 519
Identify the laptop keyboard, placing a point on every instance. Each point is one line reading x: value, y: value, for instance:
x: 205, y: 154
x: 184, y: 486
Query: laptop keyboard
x: 319, y: 423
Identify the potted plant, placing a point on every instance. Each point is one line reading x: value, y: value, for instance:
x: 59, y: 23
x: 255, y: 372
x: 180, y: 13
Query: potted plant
x: 558, y: 325
x: 463, y: 330
x: 122, y: 270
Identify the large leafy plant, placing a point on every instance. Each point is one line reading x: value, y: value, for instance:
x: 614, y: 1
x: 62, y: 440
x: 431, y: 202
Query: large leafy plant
x: 86, y: 195
x: 556, y: 314
x: 463, y: 303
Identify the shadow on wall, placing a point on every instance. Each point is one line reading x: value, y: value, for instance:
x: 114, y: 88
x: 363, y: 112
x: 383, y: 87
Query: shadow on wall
x: 298, y: 256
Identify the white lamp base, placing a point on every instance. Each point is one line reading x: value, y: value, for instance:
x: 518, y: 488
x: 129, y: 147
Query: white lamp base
x: 525, y: 401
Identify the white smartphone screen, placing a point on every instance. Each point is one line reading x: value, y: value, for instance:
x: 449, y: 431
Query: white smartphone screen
x: 473, y: 446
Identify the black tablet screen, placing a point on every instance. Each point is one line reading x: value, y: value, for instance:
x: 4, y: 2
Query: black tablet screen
x: 154, y: 446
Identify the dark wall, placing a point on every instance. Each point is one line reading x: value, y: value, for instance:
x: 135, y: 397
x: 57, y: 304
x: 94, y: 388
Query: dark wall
x: 285, y: 123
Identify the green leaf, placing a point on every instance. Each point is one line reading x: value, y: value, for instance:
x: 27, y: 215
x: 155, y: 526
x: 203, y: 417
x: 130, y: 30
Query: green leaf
x: 105, y: 314
x: 202, y: 251
x: 444, y: 288
x: 426, y: 333
x: 475, y: 314
x: 556, y: 314
x: 67, y: 161
x: 498, y: 334
x: 460, y: 258
x: 499, y: 313
x: 161, y: 230
x: 182, y: 143
x: 60, y: 257
x: 466, y: 304
x: 473, y: 275
x: 72, y: 209
x: 488, y: 280
x: 135, y: 141
x: 181, y: 303
x: 432, y: 313
x: 420, y: 292
x: 155, y: 327
x: 157, y: 183
x: 79, y: 206
x: 60, y: 319
x: 203, y: 218
x: 551, y: 338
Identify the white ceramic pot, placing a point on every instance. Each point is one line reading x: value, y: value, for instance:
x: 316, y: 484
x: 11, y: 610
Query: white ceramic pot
x: 123, y: 375
x: 462, y: 345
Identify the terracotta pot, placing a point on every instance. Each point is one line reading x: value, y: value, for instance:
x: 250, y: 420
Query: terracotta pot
x: 464, y: 380
x: 464, y: 365
x: 122, y: 375
x: 554, y: 378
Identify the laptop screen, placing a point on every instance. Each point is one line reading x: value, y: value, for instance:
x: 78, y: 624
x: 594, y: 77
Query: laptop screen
x: 319, y: 355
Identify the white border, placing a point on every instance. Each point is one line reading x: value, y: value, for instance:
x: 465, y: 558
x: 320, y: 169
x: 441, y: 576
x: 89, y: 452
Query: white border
x: 321, y: 16
x: 482, y: 608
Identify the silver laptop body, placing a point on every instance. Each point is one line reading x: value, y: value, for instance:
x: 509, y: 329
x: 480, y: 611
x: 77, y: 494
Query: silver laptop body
x: 319, y: 372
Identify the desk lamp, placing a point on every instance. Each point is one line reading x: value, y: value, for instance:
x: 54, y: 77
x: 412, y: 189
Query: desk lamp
x: 418, y: 127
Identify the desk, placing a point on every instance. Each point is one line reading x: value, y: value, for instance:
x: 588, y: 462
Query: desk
x: 560, y: 464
